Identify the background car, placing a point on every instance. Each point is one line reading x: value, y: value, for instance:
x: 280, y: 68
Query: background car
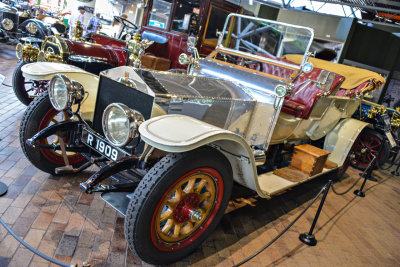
x: 94, y: 53
x: 8, y: 22
x: 381, y: 140
x: 91, y: 57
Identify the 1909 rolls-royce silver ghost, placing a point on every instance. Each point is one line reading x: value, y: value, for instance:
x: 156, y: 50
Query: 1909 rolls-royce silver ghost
x: 174, y: 143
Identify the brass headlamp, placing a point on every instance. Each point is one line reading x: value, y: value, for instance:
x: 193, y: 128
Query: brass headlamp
x: 49, y: 56
x: 27, y: 52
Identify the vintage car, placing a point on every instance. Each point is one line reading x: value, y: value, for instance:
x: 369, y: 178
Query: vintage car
x: 21, y: 25
x: 94, y: 53
x: 8, y: 22
x: 381, y: 140
x: 173, y: 144
x: 40, y: 29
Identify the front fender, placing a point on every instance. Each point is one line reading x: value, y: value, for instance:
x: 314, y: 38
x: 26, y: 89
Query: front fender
x: 340, y: 140
x: 46, y: 70
x: 42, y: 31
x: 179, y: 133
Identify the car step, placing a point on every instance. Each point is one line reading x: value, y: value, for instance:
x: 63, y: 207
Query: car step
x: 118, y: 200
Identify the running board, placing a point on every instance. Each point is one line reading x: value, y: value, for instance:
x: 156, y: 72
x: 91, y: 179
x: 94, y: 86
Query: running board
x: 118, y: 200
x: 272, y: 184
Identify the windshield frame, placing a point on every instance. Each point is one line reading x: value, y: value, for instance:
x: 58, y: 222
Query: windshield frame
x: 221, y: 48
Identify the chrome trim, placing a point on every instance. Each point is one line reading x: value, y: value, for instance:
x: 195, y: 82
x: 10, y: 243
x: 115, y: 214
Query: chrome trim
x: 75, y: 92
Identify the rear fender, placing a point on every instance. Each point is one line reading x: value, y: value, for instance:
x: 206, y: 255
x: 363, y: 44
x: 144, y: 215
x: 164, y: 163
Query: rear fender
x: 179, y: 133
x: 340, y: 140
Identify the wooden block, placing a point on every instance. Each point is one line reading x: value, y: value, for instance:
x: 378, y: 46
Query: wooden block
x: 291, y: 174
x: 309, y: 159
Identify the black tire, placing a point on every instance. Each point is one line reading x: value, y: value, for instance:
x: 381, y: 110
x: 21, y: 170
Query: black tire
x: 36, y: 115
x: 370, y: 140
x: 18, y: 82
x: 154, y: 188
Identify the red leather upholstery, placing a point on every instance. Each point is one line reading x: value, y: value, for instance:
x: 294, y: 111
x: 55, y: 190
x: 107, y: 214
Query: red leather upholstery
x: 302, y: 104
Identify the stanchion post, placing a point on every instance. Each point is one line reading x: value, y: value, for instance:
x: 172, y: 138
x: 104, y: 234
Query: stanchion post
x: 366, y: 175
x: 309, y: 238
x: 3, y: 189
x: 396, y: 172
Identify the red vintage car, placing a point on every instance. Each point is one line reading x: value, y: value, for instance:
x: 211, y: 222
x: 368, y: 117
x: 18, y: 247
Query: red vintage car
x: 94, y: 53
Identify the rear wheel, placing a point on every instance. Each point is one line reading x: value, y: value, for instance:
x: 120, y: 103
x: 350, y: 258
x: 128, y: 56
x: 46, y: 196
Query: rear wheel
x: 40, y: 114
x: 177, y: 205
x: 368, y: 144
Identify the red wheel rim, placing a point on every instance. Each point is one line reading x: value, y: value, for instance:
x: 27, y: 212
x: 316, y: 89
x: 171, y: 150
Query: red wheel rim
x: 371, y: 144
x: 49, y: 154
x: 180, y: 212
x: 36, y: 87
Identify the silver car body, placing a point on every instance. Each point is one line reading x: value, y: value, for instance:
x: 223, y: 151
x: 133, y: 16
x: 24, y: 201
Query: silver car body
x: 229, y: 107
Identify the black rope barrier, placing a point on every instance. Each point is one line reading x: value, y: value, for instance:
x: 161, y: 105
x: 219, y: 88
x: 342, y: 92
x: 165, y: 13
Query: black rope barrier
x: 323, y: 189
x: 40, y: 254
x: 308, y: 238
x: 363, y: 174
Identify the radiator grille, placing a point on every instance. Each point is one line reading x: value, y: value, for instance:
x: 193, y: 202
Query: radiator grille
x: 110, y: 92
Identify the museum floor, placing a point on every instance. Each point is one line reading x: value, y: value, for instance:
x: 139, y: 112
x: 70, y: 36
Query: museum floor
x: 55, y: 217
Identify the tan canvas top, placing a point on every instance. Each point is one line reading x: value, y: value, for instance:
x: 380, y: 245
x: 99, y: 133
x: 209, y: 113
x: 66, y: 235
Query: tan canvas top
x: 354, y: 76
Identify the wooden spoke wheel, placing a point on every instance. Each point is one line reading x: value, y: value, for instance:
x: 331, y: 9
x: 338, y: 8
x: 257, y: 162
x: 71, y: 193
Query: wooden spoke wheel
x: 51, y: 117
x: 178, y: 204
x: 368, y: 144
x: 185, y: 207
x: 39, y: 115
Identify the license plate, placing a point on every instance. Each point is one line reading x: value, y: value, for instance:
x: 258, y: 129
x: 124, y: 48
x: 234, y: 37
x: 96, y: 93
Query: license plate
x: 391, y: 139
x: 100, y: 145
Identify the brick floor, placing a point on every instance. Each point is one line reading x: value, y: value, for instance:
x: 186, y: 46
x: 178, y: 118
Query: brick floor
x: 52, y: 215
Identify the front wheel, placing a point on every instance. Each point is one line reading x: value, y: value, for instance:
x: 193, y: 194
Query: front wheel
x: 177, y: 205
x: 39, y: 115
x: 26, y: 90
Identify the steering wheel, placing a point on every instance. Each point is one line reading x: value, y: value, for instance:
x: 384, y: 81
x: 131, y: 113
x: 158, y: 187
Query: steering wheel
x: 125, y: 23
